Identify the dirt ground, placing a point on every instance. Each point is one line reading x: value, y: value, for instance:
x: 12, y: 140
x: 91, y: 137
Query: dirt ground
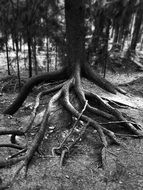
x: 82, y: 169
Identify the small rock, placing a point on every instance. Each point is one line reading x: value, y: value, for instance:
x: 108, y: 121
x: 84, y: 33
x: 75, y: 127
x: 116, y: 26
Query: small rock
x: 67, y: 176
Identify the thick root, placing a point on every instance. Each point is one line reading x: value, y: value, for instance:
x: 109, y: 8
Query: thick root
x: 30, y: 151
x: 83, y: 119
x: 26, y: 89
x: 118, y: 115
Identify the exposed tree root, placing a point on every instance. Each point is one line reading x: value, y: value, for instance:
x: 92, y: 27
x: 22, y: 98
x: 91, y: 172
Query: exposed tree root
x: 103, y: 83
x: 12, y: 146
x: 116, y: 113
x: 83, y: 113
x: 50, y: 77
x: 33, y: 147
x: 6, y: 131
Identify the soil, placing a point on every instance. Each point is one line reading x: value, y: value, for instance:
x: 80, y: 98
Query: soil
x: 82, y: 168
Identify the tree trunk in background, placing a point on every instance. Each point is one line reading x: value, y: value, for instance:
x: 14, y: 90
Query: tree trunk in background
x: 56, y: 58
x: 17, y: 61
x: 7, y: 55
x: 116, y: 34
x: 141, y: 46
x: 99, y: 24
x: 34, y: 56
x: 29, y: 56
x: 20, y: 43
x: 13, y: 44
x: 47, y: 56
x: 137, y: 26
x: 105, y: 46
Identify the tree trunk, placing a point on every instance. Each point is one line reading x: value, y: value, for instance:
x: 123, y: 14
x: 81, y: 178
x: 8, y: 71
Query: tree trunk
x: 105, y: 47
x: 137, y: 26
x: 116, y: 34
x: 20, y: 43
x: 47, y: 56
x: 99, y: 25
x: 56, y: 58
x: 75, y: 33
x: 7, y: 55
x: 141, y: 45
x: 30, y: 57
x: 17, y: 60
x: 13, y: 44
x: 34, y: 56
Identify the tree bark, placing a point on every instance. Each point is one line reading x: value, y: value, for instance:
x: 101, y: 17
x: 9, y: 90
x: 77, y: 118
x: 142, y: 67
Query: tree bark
x: 34, y: 56
x: 116, y: 34
x: 137, y: 26
x: 75, y: 33
x: 17, y: 60
x: 105, y: 46
x: 29, y: 56
x: 7, y: 55
x: 47, y: 56
x: 56, y: 57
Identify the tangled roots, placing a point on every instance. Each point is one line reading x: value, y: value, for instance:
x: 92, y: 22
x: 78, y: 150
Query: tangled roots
x: 82, y: 114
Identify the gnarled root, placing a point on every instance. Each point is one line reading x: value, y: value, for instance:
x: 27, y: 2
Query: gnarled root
x: 86, y: 116
x: 29, y: 152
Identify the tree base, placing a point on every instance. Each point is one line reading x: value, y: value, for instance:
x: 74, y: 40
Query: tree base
x: 84, y: 116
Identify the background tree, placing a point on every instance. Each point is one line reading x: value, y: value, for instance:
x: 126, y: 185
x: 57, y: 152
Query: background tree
x: 137, y: 26
x: 5, y: 15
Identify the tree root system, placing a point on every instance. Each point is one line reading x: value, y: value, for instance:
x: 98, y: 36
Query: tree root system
x: 98, y: 116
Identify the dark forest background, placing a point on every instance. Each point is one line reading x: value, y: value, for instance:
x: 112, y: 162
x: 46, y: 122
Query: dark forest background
x: 31, y: 29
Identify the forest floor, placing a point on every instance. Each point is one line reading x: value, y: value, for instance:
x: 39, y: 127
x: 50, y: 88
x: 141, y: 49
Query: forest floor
x: 82, y: 171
